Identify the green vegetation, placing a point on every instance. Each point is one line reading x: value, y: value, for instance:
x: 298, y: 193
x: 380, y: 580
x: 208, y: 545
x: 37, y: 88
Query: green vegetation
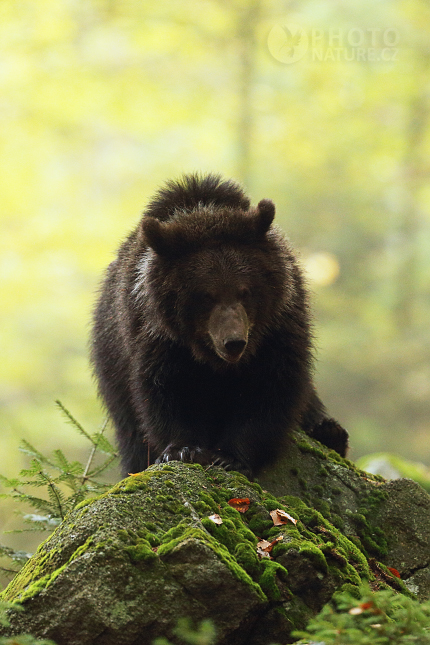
x: 17, y: 640
x: 369, y: 618
x: 64, y: 485
x: 375, y: 618
x: 393, y: 466
x: 205, y: 634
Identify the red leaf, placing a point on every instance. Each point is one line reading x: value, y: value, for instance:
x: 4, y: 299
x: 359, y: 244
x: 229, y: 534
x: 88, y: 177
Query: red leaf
x: 394, y: 571
x: 240, y: 504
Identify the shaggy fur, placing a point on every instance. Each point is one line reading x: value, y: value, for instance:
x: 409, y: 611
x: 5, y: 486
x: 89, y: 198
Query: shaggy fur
x: 201, y: 342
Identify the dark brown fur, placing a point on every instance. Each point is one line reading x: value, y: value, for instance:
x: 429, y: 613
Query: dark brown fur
x: 201, y: 341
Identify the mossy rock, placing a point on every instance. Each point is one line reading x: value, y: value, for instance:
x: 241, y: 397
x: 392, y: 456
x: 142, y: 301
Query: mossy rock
x: 124, y: 567
x: 388, y: 520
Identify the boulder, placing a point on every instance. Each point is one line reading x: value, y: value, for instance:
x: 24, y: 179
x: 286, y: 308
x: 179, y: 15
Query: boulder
x: 123, y: 568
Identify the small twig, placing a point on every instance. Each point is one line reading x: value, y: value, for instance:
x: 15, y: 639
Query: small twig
x: 103, y: 467
x: 92, y: 453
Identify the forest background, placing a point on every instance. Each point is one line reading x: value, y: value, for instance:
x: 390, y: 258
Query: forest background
x: 322, y: 106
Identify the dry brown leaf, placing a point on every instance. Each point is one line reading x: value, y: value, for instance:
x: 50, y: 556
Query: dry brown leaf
x: 280, y: 517
x: 267, y: 546
x: 215, y: 518
x: 263, y: 554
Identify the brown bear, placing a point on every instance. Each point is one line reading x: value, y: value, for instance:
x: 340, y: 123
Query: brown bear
x: 201, y: 341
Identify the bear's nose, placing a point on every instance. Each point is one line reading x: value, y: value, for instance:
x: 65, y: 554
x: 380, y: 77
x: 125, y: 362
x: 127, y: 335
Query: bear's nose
x: 234, y: 347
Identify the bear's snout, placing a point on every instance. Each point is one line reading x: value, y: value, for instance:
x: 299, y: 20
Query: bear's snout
x: 228, y: 329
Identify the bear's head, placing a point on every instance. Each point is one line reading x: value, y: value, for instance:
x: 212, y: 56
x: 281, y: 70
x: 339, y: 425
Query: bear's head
x: 216, y: 279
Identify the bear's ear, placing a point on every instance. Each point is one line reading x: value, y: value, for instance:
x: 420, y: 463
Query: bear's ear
x: 264, y: 214
x: 155, y: 235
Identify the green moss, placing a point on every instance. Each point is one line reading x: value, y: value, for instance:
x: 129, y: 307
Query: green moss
x: 140, y: 552
x: 202, y: 508
x: 372, y: 539
x: 323, y: 507
x: 248, y: 535
x: 30, y: 583
x: 220, y: 550
x: 225, y: 534
x: 87, y: 502
x: 303, y: 483
x: 256, y: 486
x: 354, y: 590
x: 259, y: 525
x: 195, y: 466
x: 150, y: 526
x: 246, y: 555
x: 304, y: 446
x: 238, y: 519
x: 314, y: 554
x: 337, y: 521
x: 293, y: 502
x: 271, y: 504
x: 268, y: 579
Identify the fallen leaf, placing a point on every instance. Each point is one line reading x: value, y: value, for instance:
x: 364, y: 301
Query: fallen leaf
x: 240, y: 504
x: 280, y: 517
x: 266, y: 546
x: 263, y: 554
x: 215, y: 518
x: 394, y: 572
x: 380, y: 574
x: 355, y: 611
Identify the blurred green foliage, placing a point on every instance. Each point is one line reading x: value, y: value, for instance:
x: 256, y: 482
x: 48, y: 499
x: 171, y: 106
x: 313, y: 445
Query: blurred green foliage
x: 394, y: 467
x: 376, y: 618
x: 322, y: 106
